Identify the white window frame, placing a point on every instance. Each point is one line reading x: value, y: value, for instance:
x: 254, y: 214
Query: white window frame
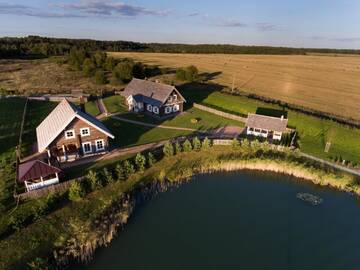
x: 96, y: 146
x: 170, y: 99
x: 156, y: 109
x: 70, y: 137
x: 168, y: 110
x: 81, y: 132
x: 176, y: 108
x: 175, y: 97
x: 83, y: 148
x: 149, y: 107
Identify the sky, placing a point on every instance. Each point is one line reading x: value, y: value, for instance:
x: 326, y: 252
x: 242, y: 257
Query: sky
x: 294, y: 23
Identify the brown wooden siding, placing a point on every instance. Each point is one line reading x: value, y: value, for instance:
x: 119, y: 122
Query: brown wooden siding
x: 76, y: 125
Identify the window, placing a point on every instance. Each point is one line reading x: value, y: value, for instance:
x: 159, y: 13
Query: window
x: 149, y: 108
x: 167, y: 110
x: 87, y: 147
x: 69, y: 134
x: 100, y: 145
x: 156, y: 110
x: 170, y: 99
x: 85, y: 132
x: 264, y: 131
x: 175, y: 97
x: 251, y: 129
x: 176, y: 108
x: 257, y: 130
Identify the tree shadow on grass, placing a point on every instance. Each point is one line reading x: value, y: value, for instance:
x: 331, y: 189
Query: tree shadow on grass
x: 272, y: 112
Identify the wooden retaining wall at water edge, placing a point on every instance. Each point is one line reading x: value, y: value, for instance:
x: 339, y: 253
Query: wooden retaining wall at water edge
x: 220, y: 113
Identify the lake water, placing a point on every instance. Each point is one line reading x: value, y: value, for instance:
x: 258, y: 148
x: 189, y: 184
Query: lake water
x: 243, y: 220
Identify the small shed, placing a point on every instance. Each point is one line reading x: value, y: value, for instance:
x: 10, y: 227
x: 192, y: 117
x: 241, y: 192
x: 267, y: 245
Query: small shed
x: 266, y: 126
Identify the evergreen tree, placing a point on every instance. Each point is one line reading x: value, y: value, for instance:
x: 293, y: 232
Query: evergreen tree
x: 107, y: 176
x: 168, y: 149
x: 235, y: 144
x: 140, y: 162
x: 187, y: 147
x: 177, y: 148
x: 93, y: 178
x: 120, y: 172
x: 76, y: 191
x: 206, y: 144
x: 196, y: 144
x: 151, y: 159
x: 128, y: 168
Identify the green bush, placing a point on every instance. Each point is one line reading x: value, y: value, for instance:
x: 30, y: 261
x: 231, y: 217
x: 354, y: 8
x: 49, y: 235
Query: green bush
x: 88, y: 67
x: 107, y: 176
x: 94, y: 180
x: 128, y: 168
x: 235, y: 144
x: 151, y: 159
x: 76, y: 191
x: 100, y: 77
x: 187, y: 146
x: 196, y: 144
x: 140, y: 162
x: 120, y: 172
x: 178, y: 149
x: 189, y: 74
x: 206, y: 144
x: 168, y: 149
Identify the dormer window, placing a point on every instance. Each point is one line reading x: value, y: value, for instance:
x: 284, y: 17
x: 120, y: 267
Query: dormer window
x: 156, y: 110
x: 70, y: 134
x: 170, y: 99
x: 149, y: 108
x: 85, y: 132
x: 175, y: 97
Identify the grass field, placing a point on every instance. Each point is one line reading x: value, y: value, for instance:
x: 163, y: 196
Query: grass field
x: 115, y: 104
x: 325, y: 83
x: 44, y: 76
x: 205, y: 120
x: 92, y: 108
x: 313, y: 132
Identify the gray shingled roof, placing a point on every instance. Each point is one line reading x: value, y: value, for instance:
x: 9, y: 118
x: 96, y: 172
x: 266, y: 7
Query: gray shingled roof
x: 266, y: 122
x: 64, y: 113
x: 151, y: 92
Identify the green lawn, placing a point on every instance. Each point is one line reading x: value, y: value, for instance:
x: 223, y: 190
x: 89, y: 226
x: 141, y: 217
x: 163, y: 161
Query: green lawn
x: 36, y: 113
x: 115, y: 104
x: 205, y: 120
x: 92, y: 108
x: 313, y: 132
x: 127, y: 134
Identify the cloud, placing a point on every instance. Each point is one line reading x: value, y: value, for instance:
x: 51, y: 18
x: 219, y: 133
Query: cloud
x: 109, y: 8
x: 22, y: 10
x: 234, y: 24
x: 89, y: 8
x: 266, y: 27
x: 346, y: 39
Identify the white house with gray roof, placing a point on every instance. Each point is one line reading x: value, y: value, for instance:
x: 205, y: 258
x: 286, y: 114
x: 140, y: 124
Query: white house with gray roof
x: 266, y: 126
x: 154, y: 98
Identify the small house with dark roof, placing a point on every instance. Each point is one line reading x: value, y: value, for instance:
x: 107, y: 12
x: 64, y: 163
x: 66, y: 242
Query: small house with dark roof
x: 68, y: 133
x: 36, y: 174
x: 153, y: 98
x: 266, y: 126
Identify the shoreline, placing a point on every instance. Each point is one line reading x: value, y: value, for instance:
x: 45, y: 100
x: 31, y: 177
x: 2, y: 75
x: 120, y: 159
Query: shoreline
x: 138, y: 196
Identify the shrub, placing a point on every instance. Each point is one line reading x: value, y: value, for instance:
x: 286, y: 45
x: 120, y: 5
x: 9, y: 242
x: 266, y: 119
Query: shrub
x: 196, y: 144
x: 194, y: 120
x: 128, y: 168
x: 206, y: 144
x: 140, y: 162
x: 168, y: 150
x: 93, y: 180
x: 88, y: 67
x: 123, y: 71
x: 76, y: 191
x: 107, y: 176
x: 100, y: 77
x: 151, y: 159
x: 38, y: 264
x: 189, y: 74
x: 235, y: 144
x: 177, y: 148
x: 120, y: 172
x: 187, y: 146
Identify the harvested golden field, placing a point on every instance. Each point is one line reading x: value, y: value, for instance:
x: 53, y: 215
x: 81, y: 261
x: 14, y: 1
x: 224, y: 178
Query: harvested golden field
x: 326, y: 83
x: 42, y: 76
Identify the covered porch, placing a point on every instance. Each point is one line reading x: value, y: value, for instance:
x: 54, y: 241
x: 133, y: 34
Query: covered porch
x: 65, y: 153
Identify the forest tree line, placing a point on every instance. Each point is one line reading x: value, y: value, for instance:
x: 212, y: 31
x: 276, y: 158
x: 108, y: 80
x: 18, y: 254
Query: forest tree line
x: 35, y: 46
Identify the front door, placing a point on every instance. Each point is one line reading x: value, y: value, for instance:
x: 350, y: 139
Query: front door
x: 86, y: 147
